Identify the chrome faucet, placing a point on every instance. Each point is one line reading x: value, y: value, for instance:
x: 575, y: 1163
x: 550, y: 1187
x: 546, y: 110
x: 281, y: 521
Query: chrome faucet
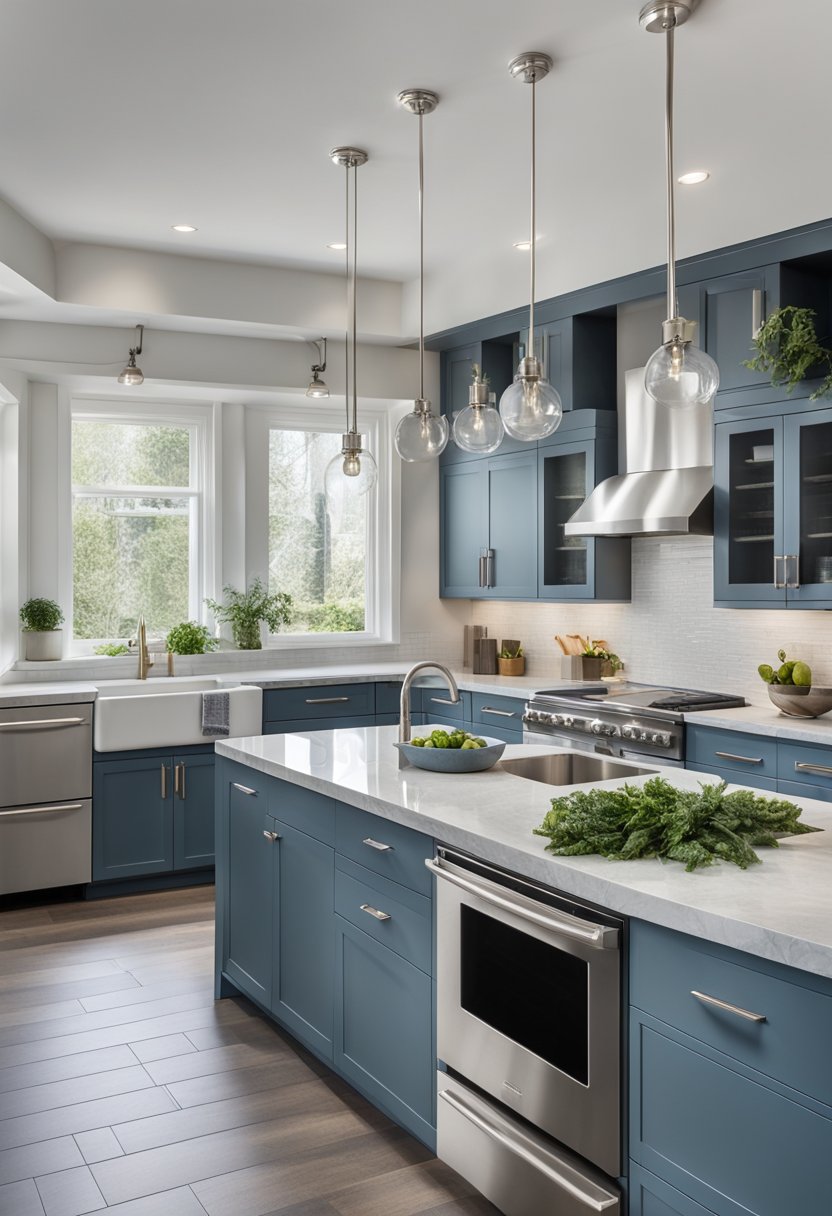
x: 404, y: 709
x: 145, y: 661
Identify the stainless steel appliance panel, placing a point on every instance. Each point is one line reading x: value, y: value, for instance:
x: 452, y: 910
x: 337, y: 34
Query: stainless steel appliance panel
x: 45, y: 754
x: 45, y: 845
x: 518, y: 1170
x: 577, y: 744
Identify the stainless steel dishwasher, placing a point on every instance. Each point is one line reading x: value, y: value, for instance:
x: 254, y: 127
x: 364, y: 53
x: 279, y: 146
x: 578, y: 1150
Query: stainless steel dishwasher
x: 45, y: 796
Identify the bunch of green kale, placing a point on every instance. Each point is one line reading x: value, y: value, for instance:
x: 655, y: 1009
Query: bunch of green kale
x: 696, y: 827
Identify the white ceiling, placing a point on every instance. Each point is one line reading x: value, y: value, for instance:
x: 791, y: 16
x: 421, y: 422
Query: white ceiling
x: 121, y: 118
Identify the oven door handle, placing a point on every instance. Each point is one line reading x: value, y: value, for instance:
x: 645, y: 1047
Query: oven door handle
x: 603, y: 937
x: 596, y: 1200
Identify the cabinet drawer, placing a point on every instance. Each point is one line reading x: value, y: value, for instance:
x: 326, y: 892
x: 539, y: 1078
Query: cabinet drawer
x: 722, y: 1137
x: 505, y: 712
x: 388, y: 697
x: 363, y: 897
x: 799, y: 789
x: 735, y: 750
x: 291, y: 725
x: 807, y: 764
x: 322, y: 701
x: 45, y: 754
x: 303, y: 809
x: 650, y: 1196
x: 394, y: 851
x: 791, y: 1045
x: 436, y: 705
x: 247, y: 781
x: 734, y: 776
x: 45, y: 846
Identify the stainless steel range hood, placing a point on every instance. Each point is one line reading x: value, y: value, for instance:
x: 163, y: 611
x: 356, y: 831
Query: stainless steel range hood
x: 668, y: 489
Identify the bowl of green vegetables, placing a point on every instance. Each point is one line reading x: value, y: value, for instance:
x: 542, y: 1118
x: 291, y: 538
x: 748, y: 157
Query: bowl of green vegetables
x: 448, y: 750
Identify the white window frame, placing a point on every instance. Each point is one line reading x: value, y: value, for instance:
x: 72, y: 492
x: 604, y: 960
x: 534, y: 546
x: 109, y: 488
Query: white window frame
x: 382, y: 580
x: 198, y: 420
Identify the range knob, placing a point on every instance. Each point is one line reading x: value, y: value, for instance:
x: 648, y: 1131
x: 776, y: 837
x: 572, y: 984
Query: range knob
x: 566, y: 720
x: 602, y: 728
x: 661, y: 738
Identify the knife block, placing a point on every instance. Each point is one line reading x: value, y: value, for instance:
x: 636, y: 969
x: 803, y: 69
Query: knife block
x: 485, y: 656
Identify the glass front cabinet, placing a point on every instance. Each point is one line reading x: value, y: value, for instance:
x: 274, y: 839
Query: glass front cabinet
x: 773, y: 511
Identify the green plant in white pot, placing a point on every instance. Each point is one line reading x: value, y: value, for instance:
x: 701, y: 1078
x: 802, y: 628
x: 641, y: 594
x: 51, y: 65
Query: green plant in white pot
x: 43, y: 636
x: 246, y: 610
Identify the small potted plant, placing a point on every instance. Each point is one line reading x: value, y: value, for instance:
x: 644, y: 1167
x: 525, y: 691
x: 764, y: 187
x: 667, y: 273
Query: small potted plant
x: 789, y: 351
x: 245, y: 610
x: 511, y: 661
x: 598, y: 660
x: 190, y: 638
x: 43, y: 636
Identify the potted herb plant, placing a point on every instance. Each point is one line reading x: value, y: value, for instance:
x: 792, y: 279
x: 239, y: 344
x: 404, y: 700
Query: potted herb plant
x: 44, y: 639
x: 246, y: 610
x: 788, y: 350
x: 597, y: 661
x: 511, y: 661
x: 190, y: 638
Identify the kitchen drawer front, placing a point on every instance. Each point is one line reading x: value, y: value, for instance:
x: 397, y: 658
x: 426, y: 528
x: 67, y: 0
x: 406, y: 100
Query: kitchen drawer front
x: 401, y: 858
x: 436, y: 705
x: 791, y: 1045
x: 321, y: 701
x: 740, y: 752
x: 505, y: 712
x: 45, y: 846
x: 798, y: 789
x: 388, y: 697
x: 45, y: 753
x: 293, y: 725
x: 248, y: 781
x: 361, y: 893
x: 733, y: 776
x: 722, y: 1137
x: 650, y: 1196
x: 806, y: 764
x: 303, y: 809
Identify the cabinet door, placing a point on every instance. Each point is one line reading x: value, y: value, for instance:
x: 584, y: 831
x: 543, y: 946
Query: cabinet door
x: 729, y: 310
x: 649, y: 1196
x: 512, y: 526
x: 193, y: 812
x: 567, y: 567
x: 463, y: 523
x: 455, y: 371
x: 132, y: 816
x: 249, y: 886
x: 807, y: 479
x: 749, y: 565
x: 302, y: 976
x: 383, y: 1028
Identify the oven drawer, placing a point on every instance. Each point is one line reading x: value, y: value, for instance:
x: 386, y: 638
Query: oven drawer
x: 667, y: 968
x: 521, y: 1172
x: 45, y: 753
x: 392, y: 914
x: 396, y: 852
x: 731, y: 749
x: 45, y: 845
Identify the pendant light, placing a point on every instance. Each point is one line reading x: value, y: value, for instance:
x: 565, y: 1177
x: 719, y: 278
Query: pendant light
x: 678, y: 374
x: 132, y: 374
x: 317, y: 387
x: 530, y: 408
x: 353, y: 472
x: 421, y: 434
x: 479, y: 427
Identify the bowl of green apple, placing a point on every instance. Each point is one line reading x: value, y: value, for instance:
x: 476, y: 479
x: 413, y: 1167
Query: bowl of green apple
x: 450, y: 750
x: 790, y: 688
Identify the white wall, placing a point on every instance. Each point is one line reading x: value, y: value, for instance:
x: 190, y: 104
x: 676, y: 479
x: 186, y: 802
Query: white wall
x: 13, y: 512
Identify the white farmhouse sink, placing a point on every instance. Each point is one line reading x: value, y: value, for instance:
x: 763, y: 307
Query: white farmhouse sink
x: 131, y: 714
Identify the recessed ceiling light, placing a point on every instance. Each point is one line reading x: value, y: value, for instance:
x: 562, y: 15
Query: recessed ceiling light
x: 183, y: 228
x: 337, y: 245
x: 693, y: 179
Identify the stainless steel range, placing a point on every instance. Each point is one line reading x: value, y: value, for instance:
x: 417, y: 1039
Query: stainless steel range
x: 620, y: 719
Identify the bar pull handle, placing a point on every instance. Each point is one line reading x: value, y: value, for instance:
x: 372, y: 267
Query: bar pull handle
x: 489, y: 567
x: 482, y: 582
x: 271, y: 836
x: 179, y: 781
x: 377, y: 845
x: 779, y: 580
x: 802, y: 767
x: 757, y: 317
x: 244, y: 789
x: 443, y: 701
x: 42, y: 810
x: 727, y: 1007
x: 742, y: 759
x: 42, y: 722
x: 792, y: 581
x: 499, y: 713
x: 163, y: 769
x: 374, y: 912
x: 326, y: 700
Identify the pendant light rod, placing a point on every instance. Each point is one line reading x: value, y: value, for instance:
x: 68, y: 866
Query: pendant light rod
x: 532, y: 66
x: 354, y: 313
x: 672, y: 307
x: 350, y: 159
x: 420, y: 102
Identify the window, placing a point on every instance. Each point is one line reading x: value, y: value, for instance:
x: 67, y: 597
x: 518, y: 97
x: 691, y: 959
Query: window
x: 137, y: 520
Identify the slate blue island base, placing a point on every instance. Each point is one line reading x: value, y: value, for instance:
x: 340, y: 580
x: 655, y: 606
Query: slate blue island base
x: 325, y: 920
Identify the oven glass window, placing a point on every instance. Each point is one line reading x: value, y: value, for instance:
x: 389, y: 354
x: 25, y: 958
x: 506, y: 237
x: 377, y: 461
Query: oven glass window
x: 533, y: 993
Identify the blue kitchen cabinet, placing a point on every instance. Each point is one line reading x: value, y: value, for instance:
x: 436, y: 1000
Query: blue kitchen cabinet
x: 650, y: 1196
x: 571, y: 463
x: 498, y: 716
x: 284, y: 708
x: 773, y: 510
x: 193, y: 812
x: 578, y: 354
x: 132, y: 817
x: 488, y: 528
x: 496, y: 361
x: 735, y: 756
x: 245, y: 867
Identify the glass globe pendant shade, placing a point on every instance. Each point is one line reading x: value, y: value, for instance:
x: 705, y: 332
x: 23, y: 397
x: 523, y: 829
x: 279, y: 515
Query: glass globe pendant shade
x: 530, y: 408
x: 681, y: 375
x: 421, y: 435
x: 352, y: 473
x: 478, y: 428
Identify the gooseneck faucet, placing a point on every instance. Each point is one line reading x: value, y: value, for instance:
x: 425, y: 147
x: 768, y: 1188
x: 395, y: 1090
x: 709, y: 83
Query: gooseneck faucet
x: 404, y: 715
x: 145, y: 661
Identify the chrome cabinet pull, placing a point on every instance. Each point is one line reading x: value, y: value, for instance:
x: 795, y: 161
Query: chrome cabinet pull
x: 376, y: 844
x: 42, y: 810
x: 742, y: 759
x: 800, y: 766
x: 26, y: 722
x: 482, y: 582
x: 590, y: 934
x: 374, y: 912
x: 792, y: 583
x: 499, y: 713
x: 756, y: 312
x: 176, y: 779
x: 179, y: 781
x: 736, y: 1009
x: 779, y: 581
x: 326, y: 700
x: 489, y: 567
x: 244, y: 789
x: 271, y: 836
x: 164, y: 780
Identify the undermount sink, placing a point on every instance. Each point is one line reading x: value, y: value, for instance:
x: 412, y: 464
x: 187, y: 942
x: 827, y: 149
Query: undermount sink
x: 131, y: 714
x: 572, y: 768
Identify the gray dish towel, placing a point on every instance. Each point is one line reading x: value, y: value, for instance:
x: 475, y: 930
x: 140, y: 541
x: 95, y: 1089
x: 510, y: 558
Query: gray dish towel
x: 215, y: 713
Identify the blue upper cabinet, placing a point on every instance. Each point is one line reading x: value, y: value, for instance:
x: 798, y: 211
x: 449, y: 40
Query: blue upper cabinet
x: 579, y: 358
x: 496, y: 361
x: 773, y: 510
x: 488, y: 528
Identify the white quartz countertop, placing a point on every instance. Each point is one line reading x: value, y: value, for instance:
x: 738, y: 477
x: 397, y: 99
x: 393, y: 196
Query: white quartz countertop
x: 766, y: 720
x: 58, y: 693
x: 779, y: 910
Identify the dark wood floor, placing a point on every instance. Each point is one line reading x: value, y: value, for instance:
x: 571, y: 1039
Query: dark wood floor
x: 125, y: 1086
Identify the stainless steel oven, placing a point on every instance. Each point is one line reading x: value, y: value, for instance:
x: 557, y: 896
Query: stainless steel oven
x: 529, y: 1009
